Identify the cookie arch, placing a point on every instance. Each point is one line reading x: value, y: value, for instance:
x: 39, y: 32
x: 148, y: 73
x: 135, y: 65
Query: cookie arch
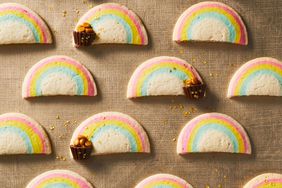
x: 19, y: 24
x: 115, y: 23
x: 210, y: 21
x: 58, y: 75
x: 260, y: 76
x: 113, y: 132
x: 162, y: 75
x: 20, y: 134
x: 213, y: 132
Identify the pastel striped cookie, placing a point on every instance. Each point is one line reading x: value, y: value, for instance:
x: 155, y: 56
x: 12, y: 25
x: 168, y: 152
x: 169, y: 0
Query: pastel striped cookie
x: 58, y: 75
x: 162, y: 75
x: 267, y: 180
x: 19, y: 24
x: 163, y: 180
x: 260, y: 76
x: 21, y: 134
x: 59, y: 179
x: 114, y: 23
x: 113, y: 132
x: 211, y: 21
x: 213, y: 132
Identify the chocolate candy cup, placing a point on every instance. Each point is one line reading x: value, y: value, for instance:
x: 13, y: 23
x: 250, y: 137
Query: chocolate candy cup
x: 83, y: 38
x: 80, y: 153
x: 195, y: 91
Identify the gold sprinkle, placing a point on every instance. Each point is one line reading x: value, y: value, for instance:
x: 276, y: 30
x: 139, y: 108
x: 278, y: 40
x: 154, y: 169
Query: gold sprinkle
x: 181, y: 51
x: 77, y: 11
x: 181, y: 106
x: 174, y: 139
x: 64, y: 159
x: 211, y: 74
x: 193, y: 60
x: 207, y: 186
x: 219, y: 186
x: 57, y: 157
x: 204, y: 62
x: 57, y: 117
x: 51, y: 127
x: 90, y: 6
x: 186, y: 113
x: 224, y: 176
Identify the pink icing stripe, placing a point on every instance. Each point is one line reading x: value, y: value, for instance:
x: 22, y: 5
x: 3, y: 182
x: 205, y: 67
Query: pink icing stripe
x: 114, y: 117
x: 34, y: 128
x: 125, y: 11
x: 152, y: 62
x: 246, y: 67
x: 41, y: 64
x: 78, y: 181
x: 268, y: 181
x: 191, y: 125
x: 216, y: 5
x: 30, y: 14
x: 160, y: 179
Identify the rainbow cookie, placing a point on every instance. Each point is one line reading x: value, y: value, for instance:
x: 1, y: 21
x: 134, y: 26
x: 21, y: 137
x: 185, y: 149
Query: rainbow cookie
x: 163, y: 180
x: 268, y: 180
x: 113, y: 132
x: 58, y: 75
x: 114, y: 23
x: 213, y: 132
x: 261, y: 76
x: 19, y: 24
x: 161, y: 76
x: 210, y: 21
x: 19, y: 134
x: 59, y: 179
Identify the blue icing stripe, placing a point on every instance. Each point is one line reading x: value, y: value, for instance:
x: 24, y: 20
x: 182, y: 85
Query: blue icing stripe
x: 21, y: 133
x: 124, y: 132
x: 121, y: 21
x: 74, y: 76
x: 217, y: 127
x: 164, y: 186
x: 247, y: 82
x: 177, y: 73
x: 222, y: 18
x: 58, y: 185
x: 23, y: 21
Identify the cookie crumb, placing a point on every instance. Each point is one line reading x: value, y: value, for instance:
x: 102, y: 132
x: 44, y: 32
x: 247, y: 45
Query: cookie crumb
x: 193, y: 109
x: 64, y: 13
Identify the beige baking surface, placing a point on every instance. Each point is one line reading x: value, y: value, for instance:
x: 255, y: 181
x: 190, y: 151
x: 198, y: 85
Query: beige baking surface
x: 112, y: 67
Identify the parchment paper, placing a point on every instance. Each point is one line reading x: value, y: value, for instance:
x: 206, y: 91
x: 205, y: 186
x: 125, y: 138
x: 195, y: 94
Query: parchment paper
x: 162, y: 117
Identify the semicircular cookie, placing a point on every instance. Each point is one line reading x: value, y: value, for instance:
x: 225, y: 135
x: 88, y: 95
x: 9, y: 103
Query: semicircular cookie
x: 111, y: 23
x: 113, y: 132
x: 213, y: 132
x: 59, y: 178
x: 163, y: 180
x: 19, y: 24
x: 267, y: 180
x: 211, y: 21
x: 162, y: 75
x: 58, y: 75
x: 20, y: 134
x: 260, y: 76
